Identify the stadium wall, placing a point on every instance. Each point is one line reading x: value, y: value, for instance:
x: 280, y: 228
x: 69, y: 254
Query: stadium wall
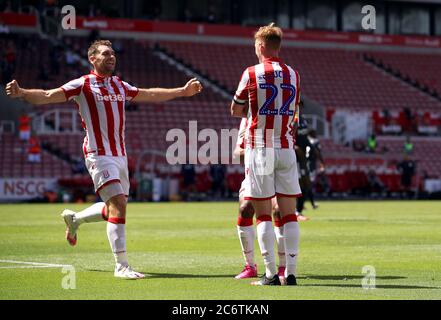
x: 234, y: 34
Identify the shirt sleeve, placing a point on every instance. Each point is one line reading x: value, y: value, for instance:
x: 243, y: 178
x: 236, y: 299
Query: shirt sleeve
x: 72, y: 89
x: 241, y: 95
x: 131, y: 91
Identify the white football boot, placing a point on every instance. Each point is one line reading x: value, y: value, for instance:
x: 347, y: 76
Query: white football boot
x: 126, y: 272
x: 71, y: 226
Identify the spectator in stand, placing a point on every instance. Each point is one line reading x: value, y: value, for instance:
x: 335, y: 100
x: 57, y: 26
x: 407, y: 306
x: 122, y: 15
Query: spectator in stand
x: 217, y: 174
x: 358, y: 145
x: 24, y: 127
x: 51, y: 9
x: 11, y: 56
x: 55, y: 60
x: 408, y: 146
x: 374, y: 183
x: 3, y: 28
x: 407, y: 168
x: 78, y: 166
x: 189, y: 184
x: 422, y: 192
x: 65, y: 196
x: 71, y: 60
x: 34, y: 150
x: 50, y: 196
x: 372, y: 143
x: 409, y: 118
x: 211, y: 17
x: 387, y: 117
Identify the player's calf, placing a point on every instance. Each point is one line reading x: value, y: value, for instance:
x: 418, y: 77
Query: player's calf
x: 246, y: 233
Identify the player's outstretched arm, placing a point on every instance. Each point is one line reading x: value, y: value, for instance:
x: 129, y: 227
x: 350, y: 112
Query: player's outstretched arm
x: 191, y: 88
x: 35, y: 96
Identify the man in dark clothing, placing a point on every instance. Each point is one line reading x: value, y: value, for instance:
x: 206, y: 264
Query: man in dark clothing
x: 302, y: 143
x: 407, y: 169
x: 189, y: 184
x: 217, y: 173
x: 314, y: 154
x: 374, y: 183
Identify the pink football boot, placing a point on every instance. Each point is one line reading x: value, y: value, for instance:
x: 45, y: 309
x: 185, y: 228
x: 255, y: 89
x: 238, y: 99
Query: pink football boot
x: 247, y: 272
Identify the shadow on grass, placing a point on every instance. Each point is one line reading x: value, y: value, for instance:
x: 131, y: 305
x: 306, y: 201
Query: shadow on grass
x: 383, y: 286
x: 178, y: 275
x: 346, y: 277
x: 155, y: 275
x: 358, y: 277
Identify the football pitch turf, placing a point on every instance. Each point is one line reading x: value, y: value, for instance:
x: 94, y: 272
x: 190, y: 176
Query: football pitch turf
x: 191, y: 251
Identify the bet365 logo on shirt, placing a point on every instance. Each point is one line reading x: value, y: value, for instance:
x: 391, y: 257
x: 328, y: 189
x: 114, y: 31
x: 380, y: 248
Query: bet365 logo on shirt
x: 109, y: 97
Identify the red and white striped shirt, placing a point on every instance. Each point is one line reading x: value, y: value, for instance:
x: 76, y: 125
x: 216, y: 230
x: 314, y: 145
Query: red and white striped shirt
x: 273, y: 92
x: 101, y: 104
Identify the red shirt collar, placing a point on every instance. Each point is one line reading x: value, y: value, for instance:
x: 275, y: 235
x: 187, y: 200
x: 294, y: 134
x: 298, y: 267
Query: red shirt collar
x: 272, y: 59
x: 97, y: 75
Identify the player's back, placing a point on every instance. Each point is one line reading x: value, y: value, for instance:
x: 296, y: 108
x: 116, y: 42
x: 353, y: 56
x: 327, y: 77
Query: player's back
x: 273, y: 94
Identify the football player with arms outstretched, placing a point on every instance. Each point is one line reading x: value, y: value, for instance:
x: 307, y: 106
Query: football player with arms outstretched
x: 101, y: 98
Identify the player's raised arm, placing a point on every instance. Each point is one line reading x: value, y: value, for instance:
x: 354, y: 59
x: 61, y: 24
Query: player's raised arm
x: 35, y: 96
x: 191, y: 88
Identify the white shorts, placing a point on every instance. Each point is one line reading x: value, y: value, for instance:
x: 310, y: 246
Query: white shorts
x: 271, y: 172
x: 106, y: 170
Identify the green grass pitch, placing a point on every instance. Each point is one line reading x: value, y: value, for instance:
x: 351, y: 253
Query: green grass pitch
x: 191, y: 251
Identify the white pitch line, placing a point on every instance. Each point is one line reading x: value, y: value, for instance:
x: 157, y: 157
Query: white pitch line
x: 28, y: 267
x: 33, y: 264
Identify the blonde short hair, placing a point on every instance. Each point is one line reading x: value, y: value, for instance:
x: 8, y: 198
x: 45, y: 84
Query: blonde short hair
x: 93, y: 49
x: 270, y: 35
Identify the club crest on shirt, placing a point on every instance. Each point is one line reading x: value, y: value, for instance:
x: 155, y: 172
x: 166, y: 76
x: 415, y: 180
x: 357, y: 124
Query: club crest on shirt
x: 106, y: 174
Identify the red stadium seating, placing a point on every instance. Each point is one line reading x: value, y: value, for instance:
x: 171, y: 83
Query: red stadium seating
x: 336, y: 78
x: 422, y: 67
